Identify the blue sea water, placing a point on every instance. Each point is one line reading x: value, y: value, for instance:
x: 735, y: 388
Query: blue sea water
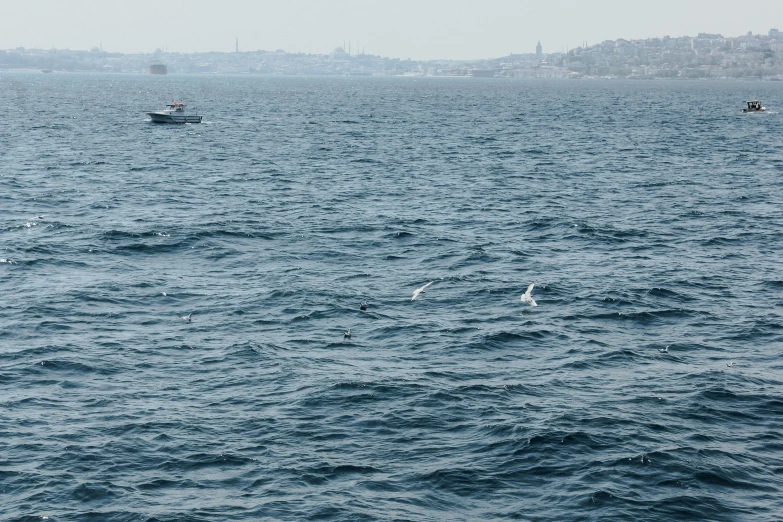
x: 647, y: 213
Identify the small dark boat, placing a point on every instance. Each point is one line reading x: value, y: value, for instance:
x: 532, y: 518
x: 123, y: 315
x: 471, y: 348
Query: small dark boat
x: 754, y: 106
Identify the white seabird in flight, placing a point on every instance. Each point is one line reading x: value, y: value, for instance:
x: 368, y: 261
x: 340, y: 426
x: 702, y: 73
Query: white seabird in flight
x: 419, y: 291
x: 528, y: 296
x: 187, y: 317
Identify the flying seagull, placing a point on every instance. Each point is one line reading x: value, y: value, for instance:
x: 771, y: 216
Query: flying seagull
x: 187, y: 317
x: 419, y: 291
x: 528, y: 297
x: 347, y: 335
x: 363, y: 306
x: 664, y: 350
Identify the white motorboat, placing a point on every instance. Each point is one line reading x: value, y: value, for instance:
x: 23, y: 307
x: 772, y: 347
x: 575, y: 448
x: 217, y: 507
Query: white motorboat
x: 174, y: 113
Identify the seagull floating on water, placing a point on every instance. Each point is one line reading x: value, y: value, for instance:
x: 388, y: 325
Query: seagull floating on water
x: 664, y: 350
x: 187, y: 317
x: 363, y: 306
x: 732, y: 363
x: 164, y: 294
x: 347, y: 335
x: 528, y: 296
x: 419, y: 291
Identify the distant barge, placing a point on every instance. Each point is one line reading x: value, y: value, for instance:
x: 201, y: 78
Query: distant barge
x: 157, y: 68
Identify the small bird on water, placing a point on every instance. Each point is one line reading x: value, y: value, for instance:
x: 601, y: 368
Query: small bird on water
x: 527, y: 297
x: 363, y: 306
x: 732, y: 363
x: 420, y: 291
x: 186, y: 318
x: 347, y: 335
x: 664, y: 350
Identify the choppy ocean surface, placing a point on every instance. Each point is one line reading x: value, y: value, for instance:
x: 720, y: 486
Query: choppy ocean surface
x: 648, y: 214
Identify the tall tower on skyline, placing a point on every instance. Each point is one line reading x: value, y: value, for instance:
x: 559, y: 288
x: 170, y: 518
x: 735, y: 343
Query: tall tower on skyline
x: 539, y: 50
x: 236, y: 45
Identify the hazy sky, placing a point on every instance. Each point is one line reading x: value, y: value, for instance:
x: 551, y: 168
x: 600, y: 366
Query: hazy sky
x: 417, y: 29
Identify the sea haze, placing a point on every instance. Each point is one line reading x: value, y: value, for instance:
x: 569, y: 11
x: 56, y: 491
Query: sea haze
x: 647, y: 213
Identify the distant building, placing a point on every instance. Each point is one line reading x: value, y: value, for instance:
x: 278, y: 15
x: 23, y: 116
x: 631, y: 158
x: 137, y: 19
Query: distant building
x: 774, y: 33
x: 338, y: 54
x: 236, y: 45
x: 539, y: 50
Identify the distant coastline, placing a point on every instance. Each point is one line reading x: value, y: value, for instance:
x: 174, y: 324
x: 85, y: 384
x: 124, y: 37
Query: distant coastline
x: 705, y: 56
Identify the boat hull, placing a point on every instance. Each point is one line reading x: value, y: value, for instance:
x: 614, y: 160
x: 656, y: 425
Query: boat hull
x: 157, y: 117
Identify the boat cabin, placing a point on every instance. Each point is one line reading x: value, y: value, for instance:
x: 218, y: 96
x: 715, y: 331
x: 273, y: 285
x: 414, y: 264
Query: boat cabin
x: 754, y: 105
x: 175, y: 107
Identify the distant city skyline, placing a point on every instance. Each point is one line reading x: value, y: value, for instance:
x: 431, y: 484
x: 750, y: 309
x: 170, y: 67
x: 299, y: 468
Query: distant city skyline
x: 420, y: 30
x: 705, y: 56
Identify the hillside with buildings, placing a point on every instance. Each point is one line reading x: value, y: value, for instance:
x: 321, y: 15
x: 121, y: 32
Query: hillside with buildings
x: 702, y: 56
